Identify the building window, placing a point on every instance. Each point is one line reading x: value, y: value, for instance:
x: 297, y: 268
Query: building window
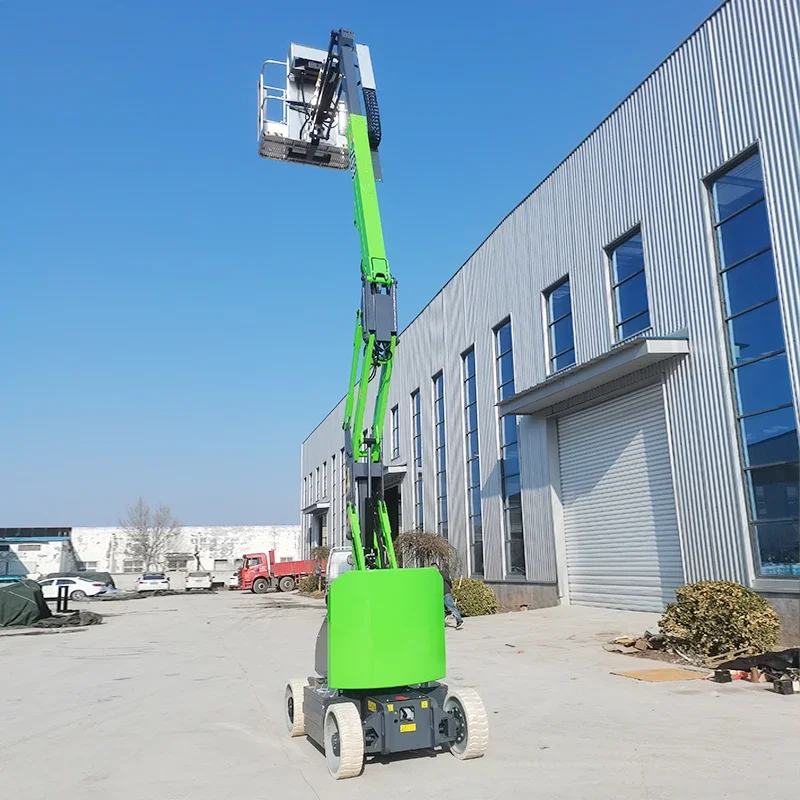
x: 334, y: 518
x: 560, y: 335
x: 177, y: 563
x: 629, y: 287
x: 472, y: 450
x: 28, y: 547
x: 305, y: 492
x: 343, y: 511
x: 87, y: 565
x: 440, y: 444
x: 395, y: 432
x: 318, y: 487
x: 324, y: 478
x: 509, y: 455
x: 757, y: 359
x: 416, y: 427
x: 132, y: 565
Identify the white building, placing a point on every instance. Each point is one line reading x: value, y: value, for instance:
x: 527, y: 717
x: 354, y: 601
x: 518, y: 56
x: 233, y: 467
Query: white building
x: 602, y: 403
x: 39, y: 551
x: 219, y: 547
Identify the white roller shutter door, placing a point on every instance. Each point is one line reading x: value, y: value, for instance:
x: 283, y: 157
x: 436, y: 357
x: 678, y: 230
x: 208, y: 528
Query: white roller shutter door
x: 620, y: 527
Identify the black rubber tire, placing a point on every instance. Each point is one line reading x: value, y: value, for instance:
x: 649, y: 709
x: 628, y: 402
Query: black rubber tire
x: 260, y: 586
x: 287, y: 584
x: 78, y: 594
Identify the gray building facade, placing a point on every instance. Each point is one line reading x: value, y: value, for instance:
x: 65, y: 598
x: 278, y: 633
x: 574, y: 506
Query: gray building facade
x: 602, y: 403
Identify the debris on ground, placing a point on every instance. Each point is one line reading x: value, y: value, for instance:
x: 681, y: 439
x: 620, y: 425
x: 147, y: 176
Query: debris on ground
x: 77, y: 619
x: 110, y: 597
x: 780, y: 668
x: 662, y: 675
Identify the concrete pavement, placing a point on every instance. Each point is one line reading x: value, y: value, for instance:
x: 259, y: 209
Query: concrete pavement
x: 179, y: 697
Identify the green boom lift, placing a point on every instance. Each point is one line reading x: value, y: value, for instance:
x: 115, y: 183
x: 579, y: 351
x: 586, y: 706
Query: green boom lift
x: 381, y: 650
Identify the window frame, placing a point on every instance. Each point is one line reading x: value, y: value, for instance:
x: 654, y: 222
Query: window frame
x: 502, y: 445
x: 614, y: 284
x: 343, y: 489
x: 550, y: 324
x: 395, y: 422
x: 417, y: 459
x: 332, y: 515
x: 472, y: 544
x: 731, y: 365
x: 441, y: 499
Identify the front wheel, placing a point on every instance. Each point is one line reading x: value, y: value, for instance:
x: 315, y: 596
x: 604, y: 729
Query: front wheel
x: 286, y: 584
x: 472, y: 723
x: 260, y: 585
x: 78, y: 594
x: 344, y: 741
x: 293, y: 707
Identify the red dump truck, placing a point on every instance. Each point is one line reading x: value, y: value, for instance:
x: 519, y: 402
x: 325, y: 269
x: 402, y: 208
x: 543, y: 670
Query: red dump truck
x: 260, y: 572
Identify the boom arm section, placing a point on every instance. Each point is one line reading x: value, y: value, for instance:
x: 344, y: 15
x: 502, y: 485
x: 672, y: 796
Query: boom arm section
x: 376, y: 321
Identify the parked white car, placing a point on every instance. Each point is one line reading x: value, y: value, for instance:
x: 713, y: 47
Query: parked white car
x: 152, y: 582
x: 198, y: 580
x: 78, y: 588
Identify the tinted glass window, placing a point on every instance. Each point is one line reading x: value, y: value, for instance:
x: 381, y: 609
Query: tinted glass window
x: 635, y: 325
x: 756, y: 333
x: 560, y: 301
x: 763, y: 385
x: 631, y: 308
x: 743, y: 235
x: 560, y: 330
x: 770, y: 438
x: 750, y: 283
x: 756, y: 346
x: 628, y: 258
x: 631, y: 297
x: 738, y: 188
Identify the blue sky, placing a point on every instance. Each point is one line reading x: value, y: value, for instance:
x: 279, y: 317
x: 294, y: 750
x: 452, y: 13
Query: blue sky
x: 176, y: 311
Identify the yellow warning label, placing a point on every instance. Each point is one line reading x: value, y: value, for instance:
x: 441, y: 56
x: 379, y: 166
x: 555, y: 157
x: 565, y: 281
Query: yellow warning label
x: 371, y: 706
x: 424, y: 703
x: 390, y: 707
x: 408, y: 728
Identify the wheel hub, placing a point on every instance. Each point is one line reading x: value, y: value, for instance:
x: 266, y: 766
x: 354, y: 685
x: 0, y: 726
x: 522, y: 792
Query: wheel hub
x: 461, y: 726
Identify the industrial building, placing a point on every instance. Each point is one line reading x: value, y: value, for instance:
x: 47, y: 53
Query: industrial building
x: 601, y: 404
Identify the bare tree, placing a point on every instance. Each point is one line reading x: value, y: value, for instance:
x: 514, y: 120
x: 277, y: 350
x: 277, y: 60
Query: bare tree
x: 150, y: 533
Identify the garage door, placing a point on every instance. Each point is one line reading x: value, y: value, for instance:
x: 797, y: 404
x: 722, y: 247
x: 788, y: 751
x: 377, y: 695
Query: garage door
x: 619, y: 511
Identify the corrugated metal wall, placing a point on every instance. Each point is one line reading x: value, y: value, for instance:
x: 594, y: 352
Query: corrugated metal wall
x: 733, y: 84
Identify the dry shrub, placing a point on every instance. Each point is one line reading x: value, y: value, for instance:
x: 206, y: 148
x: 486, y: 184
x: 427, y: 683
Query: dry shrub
x: 311, y: 584
x: 423, y: 549
x: 718, y: 617
x: 474, y: 598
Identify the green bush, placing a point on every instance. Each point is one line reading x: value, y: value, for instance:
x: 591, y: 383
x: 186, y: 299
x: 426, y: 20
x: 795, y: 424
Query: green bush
x: 474, y: 598
x: 718, y: 617
x: 311, y: 584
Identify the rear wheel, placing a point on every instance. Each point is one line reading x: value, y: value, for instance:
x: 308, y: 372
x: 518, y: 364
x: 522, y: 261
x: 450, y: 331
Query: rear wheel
x: 286, y: 584
x: 293, y: 707
x: 260, y: 585
x: 78, y: 594
x: 472, y: 723
x: 344, y: 741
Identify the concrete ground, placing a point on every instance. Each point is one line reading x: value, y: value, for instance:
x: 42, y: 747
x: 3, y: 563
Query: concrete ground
x: 182, y: 697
